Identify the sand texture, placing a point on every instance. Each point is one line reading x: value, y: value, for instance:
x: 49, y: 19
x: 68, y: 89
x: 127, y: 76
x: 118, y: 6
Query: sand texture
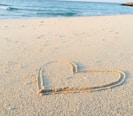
x: 48, y: 79
x: 67, y: 66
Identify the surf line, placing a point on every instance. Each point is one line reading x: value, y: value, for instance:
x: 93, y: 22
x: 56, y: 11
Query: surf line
x: 41, y: 88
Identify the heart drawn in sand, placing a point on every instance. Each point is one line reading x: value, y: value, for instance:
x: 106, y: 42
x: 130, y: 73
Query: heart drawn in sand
x: 69, y: 78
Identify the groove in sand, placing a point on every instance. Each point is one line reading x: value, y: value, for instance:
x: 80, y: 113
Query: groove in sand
x: 74, y: 69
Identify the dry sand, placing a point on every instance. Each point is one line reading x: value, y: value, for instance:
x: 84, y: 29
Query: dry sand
x: 94, y: 43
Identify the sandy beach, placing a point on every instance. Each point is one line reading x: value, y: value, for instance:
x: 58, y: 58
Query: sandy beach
x: 64, y: 49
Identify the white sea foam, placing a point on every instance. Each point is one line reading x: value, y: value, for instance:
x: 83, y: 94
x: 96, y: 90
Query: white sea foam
x: 4, y: 7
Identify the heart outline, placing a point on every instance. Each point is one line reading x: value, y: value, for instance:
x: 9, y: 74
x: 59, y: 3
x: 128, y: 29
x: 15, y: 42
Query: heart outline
x: 74, y: 69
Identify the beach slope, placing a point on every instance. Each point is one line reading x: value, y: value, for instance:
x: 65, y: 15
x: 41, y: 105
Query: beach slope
x: 62, y: 49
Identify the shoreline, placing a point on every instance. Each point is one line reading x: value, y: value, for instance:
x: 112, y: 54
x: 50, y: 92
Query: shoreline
x: 39, y: 18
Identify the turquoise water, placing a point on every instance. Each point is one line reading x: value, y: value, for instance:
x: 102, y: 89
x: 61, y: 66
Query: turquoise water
x: 13, y: 9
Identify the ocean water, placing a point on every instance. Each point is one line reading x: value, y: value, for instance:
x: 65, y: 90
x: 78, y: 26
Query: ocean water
x: 14, y: 9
